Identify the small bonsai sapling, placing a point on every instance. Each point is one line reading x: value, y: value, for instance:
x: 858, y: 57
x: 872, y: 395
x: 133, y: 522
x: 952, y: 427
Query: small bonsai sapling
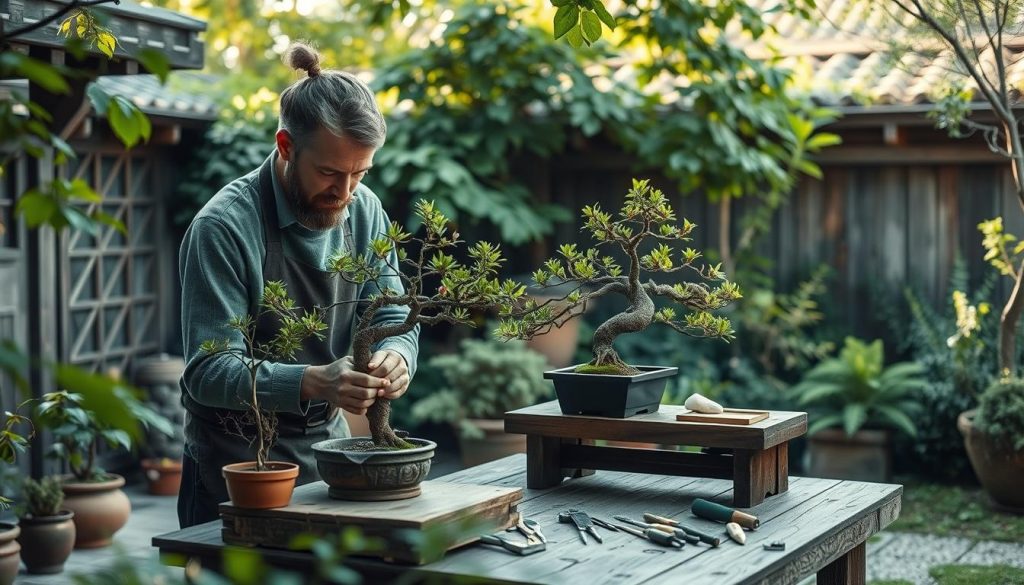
x: 645, y: 219
x: 254, y: 424
x: 42, y: 498
x: 454, y: 290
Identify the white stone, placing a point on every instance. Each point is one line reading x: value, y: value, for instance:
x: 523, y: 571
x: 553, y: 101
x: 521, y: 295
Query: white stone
x: 699, y: 403
x: 736, y: 532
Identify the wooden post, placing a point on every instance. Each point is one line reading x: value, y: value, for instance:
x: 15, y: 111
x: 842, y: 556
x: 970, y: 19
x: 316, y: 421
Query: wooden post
x: 849, y: 569
x: 757, y: 474
x: 543, y: 461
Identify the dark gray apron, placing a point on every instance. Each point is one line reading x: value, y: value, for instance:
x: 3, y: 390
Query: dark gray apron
x: 210, y: 446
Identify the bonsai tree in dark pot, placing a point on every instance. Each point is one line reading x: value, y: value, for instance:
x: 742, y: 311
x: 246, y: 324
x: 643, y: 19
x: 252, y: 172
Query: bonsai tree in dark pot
x: 437, y: 288
x: 47, y: 530
x: 643, y: 232
x: 261, y: 483
x: 100, y: 507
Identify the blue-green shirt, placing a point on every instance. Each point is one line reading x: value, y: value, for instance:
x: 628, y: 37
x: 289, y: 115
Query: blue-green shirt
x: 221, y: 268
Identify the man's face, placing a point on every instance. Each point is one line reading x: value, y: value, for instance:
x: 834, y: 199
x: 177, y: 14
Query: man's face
x: 321, y: 176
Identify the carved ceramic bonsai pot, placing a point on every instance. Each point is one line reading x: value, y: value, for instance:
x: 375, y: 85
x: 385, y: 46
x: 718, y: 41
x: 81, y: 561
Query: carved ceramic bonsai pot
x: 46, y: 542
x: 377, y: 475
x: 610, y: 395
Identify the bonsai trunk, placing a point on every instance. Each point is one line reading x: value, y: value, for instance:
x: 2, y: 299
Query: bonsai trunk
x: 379, y: 413
x: 261, y: 439
x: 637, y: 318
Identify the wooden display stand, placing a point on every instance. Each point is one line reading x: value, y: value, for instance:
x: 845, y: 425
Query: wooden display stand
x: 754, y: 457
x: 442, y: 507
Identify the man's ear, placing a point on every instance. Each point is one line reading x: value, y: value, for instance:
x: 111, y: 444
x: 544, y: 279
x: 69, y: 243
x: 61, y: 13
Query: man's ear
x: 285, y: 145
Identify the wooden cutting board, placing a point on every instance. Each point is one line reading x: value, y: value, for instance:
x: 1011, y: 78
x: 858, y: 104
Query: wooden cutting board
x: 731, y: 416
x: 456, y: 514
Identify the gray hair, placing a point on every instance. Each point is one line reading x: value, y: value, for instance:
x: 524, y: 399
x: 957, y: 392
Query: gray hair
x: 335, y: 100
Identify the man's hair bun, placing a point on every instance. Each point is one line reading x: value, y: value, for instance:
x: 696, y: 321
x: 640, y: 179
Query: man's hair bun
x: 303, y: 56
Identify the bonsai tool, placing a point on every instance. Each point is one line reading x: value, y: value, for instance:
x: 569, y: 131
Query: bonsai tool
x: 653, y: 535
x: 676, y: 533
x: 777, y: 545
x: 521, y: 549
x: 703, y: 536
x: 535, y: 526
x: 719, y: 513
x: 531, y: 535
x: 603, y: 524
x: 583, y: 523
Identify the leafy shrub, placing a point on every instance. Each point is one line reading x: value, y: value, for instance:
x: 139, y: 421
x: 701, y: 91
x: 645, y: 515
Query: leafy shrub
x: 42, y: 498
x: 855, y: 388
x: 484, y: 380
x: 1001, y: 412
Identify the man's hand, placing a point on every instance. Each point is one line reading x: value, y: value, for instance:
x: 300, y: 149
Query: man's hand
x: 391, y: 365
x: 340, y: 384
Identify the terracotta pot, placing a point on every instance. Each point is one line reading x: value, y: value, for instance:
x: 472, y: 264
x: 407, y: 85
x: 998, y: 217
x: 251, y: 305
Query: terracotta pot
x: 999, y: 468
x: 163, y: 476
x: 46, y: 542
x: 10, y: 560
x: 100, y: 507
x: 373, y: 475
x: 495, y: 443
x: 260, y: 490
x: 865, y: 456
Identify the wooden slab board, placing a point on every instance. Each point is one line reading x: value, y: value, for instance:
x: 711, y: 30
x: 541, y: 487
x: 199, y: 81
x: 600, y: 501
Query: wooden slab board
x: 442, y: 508
x: 730, y: 416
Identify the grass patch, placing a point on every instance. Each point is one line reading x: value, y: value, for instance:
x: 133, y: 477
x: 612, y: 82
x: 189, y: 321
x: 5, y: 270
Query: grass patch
x: 607, y: 369
x: 955, y: 511
x: 891, y: 582
x: 972, y: 575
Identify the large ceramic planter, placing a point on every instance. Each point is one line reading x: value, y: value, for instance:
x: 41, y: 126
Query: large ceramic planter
x: 10, y: 560
x: 163, y: 476
x: 260, y: 490
x: 866, y: 456
x: 372, y: 475
x: 100, y: 508
x: 999, y: 468
x: 608, y: 394
x: 46, y: 542
x: 495, y: 444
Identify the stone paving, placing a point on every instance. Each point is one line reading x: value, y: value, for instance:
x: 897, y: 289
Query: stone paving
x: 891, y: 555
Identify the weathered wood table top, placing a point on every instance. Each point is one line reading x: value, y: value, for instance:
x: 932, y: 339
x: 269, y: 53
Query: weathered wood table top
x: 824, y: 524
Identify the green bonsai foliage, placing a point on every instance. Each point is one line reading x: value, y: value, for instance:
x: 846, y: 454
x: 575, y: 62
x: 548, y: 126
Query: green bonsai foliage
x: 254, y: 424
x: 78, y: 430
x: 645, y: 219
x: 484, y: 380
x: 42, y: 498
x: 454, y: 291
x: 1001, y: 412
x: 855, y: 389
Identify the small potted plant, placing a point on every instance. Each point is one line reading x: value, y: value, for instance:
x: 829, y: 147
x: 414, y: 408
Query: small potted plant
x: 643, y: 233
x: 436, y: 288
x: 100, y: 507
x: 12, y: 442
x: 485, y: 379
x: 262, y: 484
x: 994, y: 437
x: 47, y: 529
x: 854, y: 401
x: 163, y: 475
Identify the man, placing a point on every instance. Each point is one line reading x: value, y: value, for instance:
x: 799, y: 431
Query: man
x: 283, y: 222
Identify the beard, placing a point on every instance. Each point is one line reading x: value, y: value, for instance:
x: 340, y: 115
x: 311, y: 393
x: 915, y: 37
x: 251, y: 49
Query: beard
x: 304, y: 206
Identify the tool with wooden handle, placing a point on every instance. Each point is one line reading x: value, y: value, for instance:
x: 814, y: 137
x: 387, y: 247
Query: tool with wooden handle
x: 652, y: 535
x: 703, y: 536
x: 675, y: 532
x: 720, y: 513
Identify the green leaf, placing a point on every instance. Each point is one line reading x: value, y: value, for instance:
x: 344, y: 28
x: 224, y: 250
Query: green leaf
x: 575, y: 37
x: 80, y: 221
x: 107, y: 219
x: 854, y: 416
x: 106, y: 43
x: 591, y: 27
x: 156, y: 62
x: 810, y: 168
x: 100, y: 99
x: 823, y: 140
x: 39, y: 72
x: 566, y: 19
x: 604, y: 15
x: 128, y: 122
x: 36, y: 208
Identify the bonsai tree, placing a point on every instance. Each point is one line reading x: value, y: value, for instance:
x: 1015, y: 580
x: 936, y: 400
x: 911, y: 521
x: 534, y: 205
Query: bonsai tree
x: 855, y: 387
x: 645, y: 222
x: 1001, y: 413
x: 437, y: 288
x: 78, y: 430
x: 295, y: 325
x: 484, y: 380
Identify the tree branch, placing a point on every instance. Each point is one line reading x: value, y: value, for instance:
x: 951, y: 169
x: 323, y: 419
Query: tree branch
x: 67, y: 8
